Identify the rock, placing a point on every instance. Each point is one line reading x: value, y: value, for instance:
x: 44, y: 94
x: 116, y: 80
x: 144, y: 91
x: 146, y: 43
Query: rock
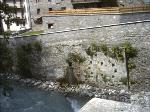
x: 102, y: 105
x: 37, y: 83
x: 28, y: 81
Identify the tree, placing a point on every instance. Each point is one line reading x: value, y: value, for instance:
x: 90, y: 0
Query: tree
x: 7, y: 14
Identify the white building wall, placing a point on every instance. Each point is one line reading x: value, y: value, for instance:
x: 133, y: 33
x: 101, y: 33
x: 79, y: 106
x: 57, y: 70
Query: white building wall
x: 14, y: 26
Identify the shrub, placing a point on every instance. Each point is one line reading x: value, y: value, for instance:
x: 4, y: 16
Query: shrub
x: 38, y: 46
x: 124, y: 81
x: 6, y: 61
x: 75, y: 57
x: 90, y: 52
x: 28, y: 58
x: 104, y: 48
x: 117, y: 53
x: 131, y: 64
x: 131, y: 52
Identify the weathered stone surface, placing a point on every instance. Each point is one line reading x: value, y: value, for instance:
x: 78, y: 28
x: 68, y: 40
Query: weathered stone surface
x: 139, y: 103
x: 83, y: 21
x: 57, y: 45
x: 101, y: 105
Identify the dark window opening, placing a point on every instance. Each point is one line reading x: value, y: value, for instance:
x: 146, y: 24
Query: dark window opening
x: 113, y: 64
x: 38, y: 21
x: 86, y: 5
x: 38, y: 11
x: 63, y: 8
x: 24, y: 23
x: 17, y: 23
x: 50, y: 25
x: 50, y: 9
x: 81, y: 4
x: 70, y: 63
x: 115, y: 70
x: 37, y: 1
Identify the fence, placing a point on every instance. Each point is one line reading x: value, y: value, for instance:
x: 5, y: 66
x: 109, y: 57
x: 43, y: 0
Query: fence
x: 104, y: 10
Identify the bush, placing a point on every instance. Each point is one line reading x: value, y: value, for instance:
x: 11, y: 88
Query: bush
x: 104, y: 49
x: 6, y: 61
x: 131, y: 52
x: 28, y: 57
x: 75, y: 57
x: 90, y: 52
x: 124, y: 81
x: 131, y: 64
x: 117, y: 53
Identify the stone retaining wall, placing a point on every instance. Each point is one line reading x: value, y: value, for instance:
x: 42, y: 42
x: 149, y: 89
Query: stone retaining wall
x: 58, y: 44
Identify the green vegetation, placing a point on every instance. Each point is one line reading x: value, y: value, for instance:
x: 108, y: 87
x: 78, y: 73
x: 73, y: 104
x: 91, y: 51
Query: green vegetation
x: 75, y: 57
x: 104, y: 49
x: 8, y: 14
x: 6, y: 64
x: 106, y: 78
x: 32, y: 33
x: 116, y: 52
x: 124, y: 81
x: 130, y: 50
x: 6, y: 61
x: 28, y: 58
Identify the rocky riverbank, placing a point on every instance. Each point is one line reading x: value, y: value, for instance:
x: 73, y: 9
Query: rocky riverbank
x: 69, y: 90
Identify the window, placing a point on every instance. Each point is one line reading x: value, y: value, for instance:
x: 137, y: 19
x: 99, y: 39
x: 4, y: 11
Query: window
x: 50, y: 25
x: 50, y: 9
x: 37, y: 1
x: 17, y: 23
x: 38, y: 11
x: 63, y: 8
x: 38, y: 21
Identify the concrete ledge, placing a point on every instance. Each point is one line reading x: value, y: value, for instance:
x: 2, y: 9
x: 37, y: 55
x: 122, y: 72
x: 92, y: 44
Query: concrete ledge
x: 102, y: 105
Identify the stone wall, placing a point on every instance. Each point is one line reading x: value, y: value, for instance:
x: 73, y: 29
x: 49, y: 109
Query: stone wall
x: 45, y: 5
x: 76, y: 21
x: 58, y: 44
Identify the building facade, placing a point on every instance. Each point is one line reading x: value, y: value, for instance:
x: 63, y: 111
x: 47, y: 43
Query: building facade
x: 41, y: 8
x: 22, y: 16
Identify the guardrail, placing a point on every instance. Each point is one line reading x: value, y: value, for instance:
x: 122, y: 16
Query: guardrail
x: 103, y: 10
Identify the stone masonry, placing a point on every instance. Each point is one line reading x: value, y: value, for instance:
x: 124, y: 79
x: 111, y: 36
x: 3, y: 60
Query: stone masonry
x: 58, y: 44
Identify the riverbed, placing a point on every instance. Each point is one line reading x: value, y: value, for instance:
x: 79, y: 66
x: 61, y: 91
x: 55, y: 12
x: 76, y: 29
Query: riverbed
x: 28, y: 99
